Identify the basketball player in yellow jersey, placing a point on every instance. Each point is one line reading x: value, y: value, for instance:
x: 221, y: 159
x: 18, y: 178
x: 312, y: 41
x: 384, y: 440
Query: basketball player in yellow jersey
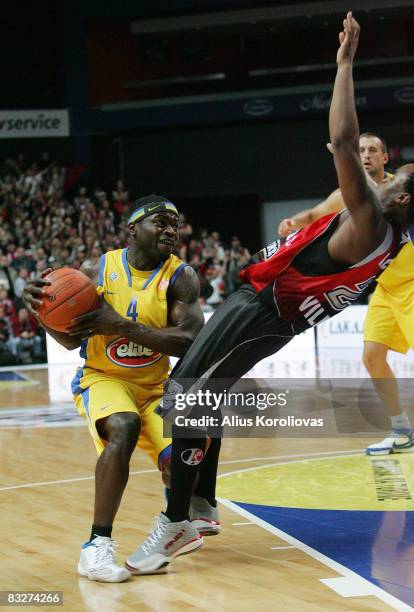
x: 389, y: 325
x: 374, y: 156
x: 149, y: 310
x: 390, y: 318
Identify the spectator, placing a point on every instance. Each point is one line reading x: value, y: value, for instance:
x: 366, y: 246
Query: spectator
x: 21, y: 282
x: 7, y: 310
x: 120, y: 197
x: 217, y: 248
x: 238, y: 258
x: 6, y: 279
x: 215, y: 278
x: 6, y: 356
x: 186, y: 230
x: 21, y: 259
x: 26, y: 337
x: 7, y: 314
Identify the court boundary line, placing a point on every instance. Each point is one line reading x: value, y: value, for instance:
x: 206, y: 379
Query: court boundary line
x: 344, y: 571
x: 28, y: 366
x: 148, y: 471
x: 66, y: 481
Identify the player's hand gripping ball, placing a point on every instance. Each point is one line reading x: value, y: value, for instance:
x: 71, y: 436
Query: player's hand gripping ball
x: 70, y: 294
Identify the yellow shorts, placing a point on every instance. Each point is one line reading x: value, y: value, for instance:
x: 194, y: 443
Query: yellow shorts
x: 390, y: 318
x: 99, y: 396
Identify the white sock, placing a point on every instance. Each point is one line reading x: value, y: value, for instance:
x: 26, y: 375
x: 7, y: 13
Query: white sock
x: 400, y: 421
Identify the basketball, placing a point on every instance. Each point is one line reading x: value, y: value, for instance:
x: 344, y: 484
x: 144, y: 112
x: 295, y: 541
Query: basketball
x: 70, y: 295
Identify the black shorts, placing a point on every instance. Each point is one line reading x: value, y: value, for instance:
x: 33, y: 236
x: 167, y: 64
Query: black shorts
x: 241, y: 332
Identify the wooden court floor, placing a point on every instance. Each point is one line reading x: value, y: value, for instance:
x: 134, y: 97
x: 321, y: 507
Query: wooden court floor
x: 46, y: 493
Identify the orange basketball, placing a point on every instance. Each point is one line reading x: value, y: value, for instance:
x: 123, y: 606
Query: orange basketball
x: 70, y: 295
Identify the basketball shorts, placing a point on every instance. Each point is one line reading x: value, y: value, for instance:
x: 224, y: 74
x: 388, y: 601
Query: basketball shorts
x: 102, y: 396
x: 390, y: 318
x: 241, y: 332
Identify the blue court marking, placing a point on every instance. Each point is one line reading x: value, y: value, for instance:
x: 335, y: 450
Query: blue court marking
x: 8, y: 376
x: 379, y: 546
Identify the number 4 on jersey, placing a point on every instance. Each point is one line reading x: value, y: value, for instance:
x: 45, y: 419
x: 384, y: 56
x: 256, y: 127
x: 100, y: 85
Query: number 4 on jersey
x: 132, y: 310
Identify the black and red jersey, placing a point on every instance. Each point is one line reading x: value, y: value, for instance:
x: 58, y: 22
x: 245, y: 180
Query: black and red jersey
x: 306, y: 297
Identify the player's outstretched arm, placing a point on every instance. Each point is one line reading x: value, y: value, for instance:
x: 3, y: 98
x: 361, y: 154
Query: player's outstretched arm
x: 333, y: 203
x: 185, y: 320
x: 343, y: 123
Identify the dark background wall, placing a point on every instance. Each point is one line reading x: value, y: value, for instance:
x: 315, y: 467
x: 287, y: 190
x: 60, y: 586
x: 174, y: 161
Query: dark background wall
x: 219, y: 176
x: 225, y: 165
x: 278, y: 160
x: 31, y: 56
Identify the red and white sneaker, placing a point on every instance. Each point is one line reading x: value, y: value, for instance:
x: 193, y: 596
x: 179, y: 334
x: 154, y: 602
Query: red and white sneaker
x: 204, y: 516
x: 166, y: 541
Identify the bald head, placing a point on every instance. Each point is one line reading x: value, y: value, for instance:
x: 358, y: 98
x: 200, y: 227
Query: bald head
x: 397, y: 196
x: 405, y: 176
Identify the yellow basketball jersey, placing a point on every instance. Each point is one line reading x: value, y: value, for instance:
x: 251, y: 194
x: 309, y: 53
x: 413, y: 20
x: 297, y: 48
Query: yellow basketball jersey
x: 138, y: 296
x: 400, y: 271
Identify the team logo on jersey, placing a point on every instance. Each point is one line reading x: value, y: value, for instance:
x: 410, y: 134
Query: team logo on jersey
x: 192, y: 456
x: 114, y: 276
x: 128, y: 354
x: 163, y: 284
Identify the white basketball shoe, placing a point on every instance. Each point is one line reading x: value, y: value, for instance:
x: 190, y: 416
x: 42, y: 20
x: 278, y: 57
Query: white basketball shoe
x: 97, y: 561
x: 399, y: 441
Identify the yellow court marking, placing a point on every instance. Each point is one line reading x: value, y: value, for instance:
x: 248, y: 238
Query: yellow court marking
x: 334, y: 483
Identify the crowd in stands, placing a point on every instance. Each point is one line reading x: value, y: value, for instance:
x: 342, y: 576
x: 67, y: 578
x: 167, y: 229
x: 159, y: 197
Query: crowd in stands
x: 41, y: 227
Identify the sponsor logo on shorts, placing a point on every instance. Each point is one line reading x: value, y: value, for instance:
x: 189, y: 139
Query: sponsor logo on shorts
x: 192, y: 456
x: 128, y: 354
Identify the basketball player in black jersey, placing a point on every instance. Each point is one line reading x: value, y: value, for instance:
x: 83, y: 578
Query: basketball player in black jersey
x: 348, y: 250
